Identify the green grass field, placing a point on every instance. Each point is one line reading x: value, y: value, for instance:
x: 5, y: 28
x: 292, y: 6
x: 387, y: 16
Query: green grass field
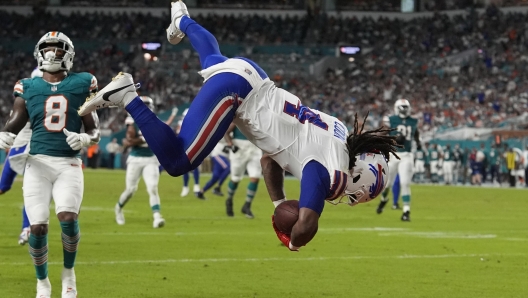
x: 462, y: 242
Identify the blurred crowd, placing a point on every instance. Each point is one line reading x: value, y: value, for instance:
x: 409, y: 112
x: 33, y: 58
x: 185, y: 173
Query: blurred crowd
x: 467, y: 70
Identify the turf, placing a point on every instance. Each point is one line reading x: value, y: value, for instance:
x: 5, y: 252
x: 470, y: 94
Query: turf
x: 462, y: 242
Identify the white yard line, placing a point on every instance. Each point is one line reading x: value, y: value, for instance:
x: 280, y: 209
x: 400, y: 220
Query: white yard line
x: 229, y: 260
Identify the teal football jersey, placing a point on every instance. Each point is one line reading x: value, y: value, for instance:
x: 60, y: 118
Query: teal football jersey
x: 419, y: 155
x: 53, y: 107
x: 448, y: 155
x: 433, y: 154
x: 142, y: 150
x: 406, y: 127
x: 237, y: 134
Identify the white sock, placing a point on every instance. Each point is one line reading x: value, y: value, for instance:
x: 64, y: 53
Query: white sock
x: 156, y: 215
x: 129, y: 97
x: 406, y: 208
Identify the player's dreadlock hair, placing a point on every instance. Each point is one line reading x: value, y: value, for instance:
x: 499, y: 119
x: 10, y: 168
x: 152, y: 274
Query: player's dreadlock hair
x: 376, y: 141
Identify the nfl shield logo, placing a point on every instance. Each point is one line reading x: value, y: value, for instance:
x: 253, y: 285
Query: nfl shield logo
x: 53, y: 88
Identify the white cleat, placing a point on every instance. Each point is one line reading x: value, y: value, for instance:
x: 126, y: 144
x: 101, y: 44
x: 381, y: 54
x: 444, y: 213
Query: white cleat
x: 159, y: 222
x: 185, y: 191
x: 116, y: 94
x: 24, y: 236
x: 69, y: 284
x: 178, y: 10
x: 120, y: 217
x: 43, y: 288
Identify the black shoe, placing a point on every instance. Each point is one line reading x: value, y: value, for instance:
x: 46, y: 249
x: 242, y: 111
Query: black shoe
x: 406, y: 216
x: 200, y: 195
x: 396, y: 206
x: 246, y: 209
x: 381, y: 206
x: 218, y: 192
x: 229, y: 208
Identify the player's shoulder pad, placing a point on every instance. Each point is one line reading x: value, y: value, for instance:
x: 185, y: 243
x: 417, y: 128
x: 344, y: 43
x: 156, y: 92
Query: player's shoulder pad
x: 129, y: 120
x: 87, y: 78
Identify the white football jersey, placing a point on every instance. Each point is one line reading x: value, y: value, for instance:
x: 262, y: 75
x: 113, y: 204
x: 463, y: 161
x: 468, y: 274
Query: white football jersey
x: 218, y: 149
x: 23, y: 137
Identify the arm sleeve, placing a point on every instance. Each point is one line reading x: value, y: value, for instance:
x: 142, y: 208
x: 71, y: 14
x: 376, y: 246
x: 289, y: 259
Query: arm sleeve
x: 315, y: 186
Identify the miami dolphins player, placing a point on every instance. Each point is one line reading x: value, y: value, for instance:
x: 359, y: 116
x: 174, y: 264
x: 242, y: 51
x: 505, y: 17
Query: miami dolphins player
x: 405, y: 129
x: 331, y: 164
x: 244, y: 156
x: 53, y: 167
x: 14, y: 165
x: 448, y: 164
x: 420, y: 157
x: 140, y: 162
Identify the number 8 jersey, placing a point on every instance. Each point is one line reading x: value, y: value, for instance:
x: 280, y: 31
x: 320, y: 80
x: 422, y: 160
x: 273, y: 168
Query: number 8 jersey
x: 53, y: 107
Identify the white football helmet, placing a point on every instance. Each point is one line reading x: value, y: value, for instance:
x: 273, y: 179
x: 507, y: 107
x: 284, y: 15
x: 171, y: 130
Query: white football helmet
x: 46, y: 52
x: 402, y: 108
x: 148, y: 101
x: 366, y: 180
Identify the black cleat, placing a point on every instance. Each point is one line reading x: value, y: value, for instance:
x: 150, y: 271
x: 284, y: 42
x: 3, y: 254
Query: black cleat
x: 218, y: 192
x: 381, y: 206
x: 396, y: 206
x: 200, y: 195
x: 229, y: 208
x: 406, y: 216
x: 246, y: 209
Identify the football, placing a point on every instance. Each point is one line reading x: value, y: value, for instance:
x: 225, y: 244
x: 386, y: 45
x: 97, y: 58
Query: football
x: 286, y: 215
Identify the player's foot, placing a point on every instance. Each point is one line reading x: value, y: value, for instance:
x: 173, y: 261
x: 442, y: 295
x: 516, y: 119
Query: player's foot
x: 184, y: 192
x: 23, y: 238
x: 246, y: 209
x: 43, y: 288
x: 118, y: 93
x: 396, y: 206
x: 200, y: 195
x: 158, y: 222
x: 406, y: 216
x: 120, y: 217
x: 381, y: 206
x: 229, y: 208
x: 178, y: 10
x: 69, y: 284
x: 218, y: 192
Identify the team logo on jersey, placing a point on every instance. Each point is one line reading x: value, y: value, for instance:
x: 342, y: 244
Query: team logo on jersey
x: 53, y: 88
x: 376, y: 188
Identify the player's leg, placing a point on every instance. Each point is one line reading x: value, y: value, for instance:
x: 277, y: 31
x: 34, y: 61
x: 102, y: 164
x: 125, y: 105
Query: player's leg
x: 185, y: 188
x: 396, y: 193
x: 68, y: 193
x: 254, y: 170
x: 196, y: 176
x: 133, y: 174
x: 217, y: 171
x: 209, y: 117
x: 8, y: 176
x: 151, y: 178
x: 393, y: 171
x: 23, y: 238
x: 37, y: 198
x: 405, y: 173
x: 238, y: 167
x: 226, y: 167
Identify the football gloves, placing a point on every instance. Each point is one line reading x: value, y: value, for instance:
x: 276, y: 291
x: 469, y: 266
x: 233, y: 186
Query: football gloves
x: 77, y: 140
x: 284, y: 238
x: 6, y: 139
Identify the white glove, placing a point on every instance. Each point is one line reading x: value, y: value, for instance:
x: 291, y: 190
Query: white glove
x: 174, y: 111
x: 77, y: 140
x: 6, y: 139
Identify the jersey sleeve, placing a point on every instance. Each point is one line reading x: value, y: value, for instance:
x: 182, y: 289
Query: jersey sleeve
x: 93, y: 85
x: 315, y: 186
x: 18, y: 90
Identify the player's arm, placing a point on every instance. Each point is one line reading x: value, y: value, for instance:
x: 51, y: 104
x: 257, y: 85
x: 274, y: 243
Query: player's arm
x: 417, y: 140
x: 386, y: 123
x: 91, y: 127
x: 132, y: 137
x: 229, y: 139
x: 172, y: 116
x: 18, y: 118
x: 274, y: 179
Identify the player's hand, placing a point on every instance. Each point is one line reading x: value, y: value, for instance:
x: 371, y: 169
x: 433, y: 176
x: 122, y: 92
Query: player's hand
x: 284, y: 238
x: 174, y: 111
x: 6, y: 140
x: 77, y: 140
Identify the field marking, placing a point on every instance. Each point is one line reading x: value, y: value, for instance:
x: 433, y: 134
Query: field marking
x: 228, y: 260
x: 449, y: 235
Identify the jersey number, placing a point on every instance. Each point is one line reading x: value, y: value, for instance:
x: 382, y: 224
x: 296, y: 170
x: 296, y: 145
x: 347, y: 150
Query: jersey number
x: 405, y: 131
x: 55, y: 109
x: 303, y: 114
